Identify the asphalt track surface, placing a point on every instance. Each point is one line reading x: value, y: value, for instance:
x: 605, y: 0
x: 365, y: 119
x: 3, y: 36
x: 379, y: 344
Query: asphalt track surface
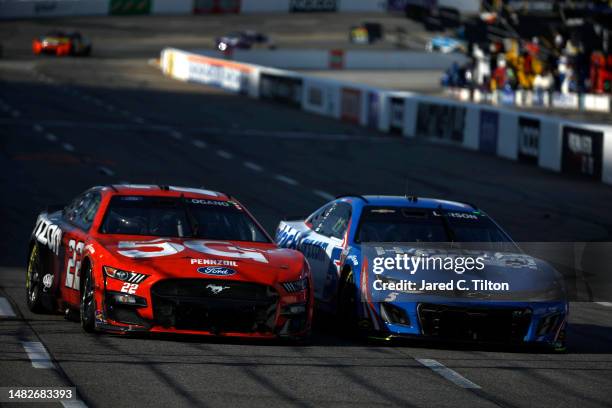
x: 72, y: 123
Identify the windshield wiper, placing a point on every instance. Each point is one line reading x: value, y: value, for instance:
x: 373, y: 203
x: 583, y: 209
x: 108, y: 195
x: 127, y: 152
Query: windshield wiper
x: 449, y: 231
x: 193, y: 222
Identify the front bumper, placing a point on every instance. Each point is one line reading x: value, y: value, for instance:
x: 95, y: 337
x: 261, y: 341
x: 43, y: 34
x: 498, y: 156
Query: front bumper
x: 190, y: 306
x: 481, y: 322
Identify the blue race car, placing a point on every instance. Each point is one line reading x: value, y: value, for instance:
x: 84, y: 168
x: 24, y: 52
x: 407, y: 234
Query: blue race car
x: 336, y: 239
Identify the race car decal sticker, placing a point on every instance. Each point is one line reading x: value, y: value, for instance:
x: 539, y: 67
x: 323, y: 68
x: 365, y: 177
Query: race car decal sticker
x: 463, y: 215
x: 226, y: 249
x: 73, y: 269
x: 161, y: 247
x: 129, y: 288
x: 216, y: 289
x: 214, y: 262
x: 211, y: 202
x: 48, y: 280
x: 216, y: 271
x: 149, y: 249
x: 48, y: 234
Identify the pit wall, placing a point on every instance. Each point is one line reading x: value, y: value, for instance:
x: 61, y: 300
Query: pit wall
x: 579, y: 150
x: 529, y: 99
x: 11, y: 9
x: 318, y: 59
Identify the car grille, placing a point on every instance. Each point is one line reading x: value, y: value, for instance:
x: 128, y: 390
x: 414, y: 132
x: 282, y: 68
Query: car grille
x: 214, y: 305
x: 474, y: 323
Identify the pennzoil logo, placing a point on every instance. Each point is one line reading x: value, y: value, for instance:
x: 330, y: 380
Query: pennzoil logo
x: 216, y: 271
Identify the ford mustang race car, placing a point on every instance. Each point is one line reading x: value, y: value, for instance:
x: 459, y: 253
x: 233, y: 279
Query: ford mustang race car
x: 60, y: 44
x: 134, y: 258
x: 336, y: 239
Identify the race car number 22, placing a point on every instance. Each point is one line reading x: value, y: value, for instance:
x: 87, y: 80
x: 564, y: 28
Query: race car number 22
x: 73, y: 269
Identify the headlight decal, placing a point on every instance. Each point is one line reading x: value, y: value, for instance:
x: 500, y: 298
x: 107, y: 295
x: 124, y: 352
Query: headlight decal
x: 124, y: 276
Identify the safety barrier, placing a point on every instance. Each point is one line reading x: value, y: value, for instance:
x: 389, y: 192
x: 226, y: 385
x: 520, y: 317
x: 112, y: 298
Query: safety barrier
x: 531, y: 99
x: 578, y: 149
x: 58, y: 8
x: 340, y: 59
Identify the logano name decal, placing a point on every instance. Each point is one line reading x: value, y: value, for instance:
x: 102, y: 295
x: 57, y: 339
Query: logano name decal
x: 48, y: 233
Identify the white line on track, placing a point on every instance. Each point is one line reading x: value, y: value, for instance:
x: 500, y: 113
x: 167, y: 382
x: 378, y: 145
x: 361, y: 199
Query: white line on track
x: 68, y: 147
x: 285, y: 179
x: 51, y: 137
x: 138, y: 119
x: 5, y: 308
x: 199, y: 144
x: 38, y: 128
x: 252, y: 166
x: 74, y: 404
x: 38, y: 354
x: 447, y: 373
x: 224, y: 154
x: 607, y: 304
x: 324, y: 194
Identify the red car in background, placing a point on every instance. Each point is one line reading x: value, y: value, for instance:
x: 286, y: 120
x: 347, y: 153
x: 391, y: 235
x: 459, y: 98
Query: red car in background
x: 61, y: 44
x: 146, y: 258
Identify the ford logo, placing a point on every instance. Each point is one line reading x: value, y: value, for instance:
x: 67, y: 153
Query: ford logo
x: 216, y: 270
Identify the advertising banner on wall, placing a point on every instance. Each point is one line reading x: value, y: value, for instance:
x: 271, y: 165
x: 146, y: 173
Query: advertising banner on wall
x: 528, y: 140
x: 440, y: 121
x: 313, y: 5
x: 582, y: 152
x: 396, y: 115
x: 350, y: 104
x: 216, y: 6
x: 129, y: 7
x: 489, y: 128
x: 281, y: 88
x: 373, y: 109
x: 224, y: 74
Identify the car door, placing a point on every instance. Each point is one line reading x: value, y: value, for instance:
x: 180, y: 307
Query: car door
x: 323, y: 246
x: 78, y: 217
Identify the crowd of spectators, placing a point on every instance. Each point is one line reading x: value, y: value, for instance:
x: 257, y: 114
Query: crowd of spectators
x: 565, y: 66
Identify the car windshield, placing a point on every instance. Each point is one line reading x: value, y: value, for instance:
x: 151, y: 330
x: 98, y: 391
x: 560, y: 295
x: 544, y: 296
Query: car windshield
x: 180, y: 217
x: 397, y: 224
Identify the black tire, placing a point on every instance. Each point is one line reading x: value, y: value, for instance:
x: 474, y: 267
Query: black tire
x: 34, y: 282
x: 347, y: 305
x: 88, y: 302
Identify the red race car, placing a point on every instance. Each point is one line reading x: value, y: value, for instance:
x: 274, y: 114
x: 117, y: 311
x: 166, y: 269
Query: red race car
x: 131, y: 258
x: 60, y: 44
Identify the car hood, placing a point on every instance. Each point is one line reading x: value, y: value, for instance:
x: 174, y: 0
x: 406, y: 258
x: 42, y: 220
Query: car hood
x: 529, y: 278
x: 177, y: 258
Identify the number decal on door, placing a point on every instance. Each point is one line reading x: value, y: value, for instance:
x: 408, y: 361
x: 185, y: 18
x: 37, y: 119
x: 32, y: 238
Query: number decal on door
x: 73, y: 269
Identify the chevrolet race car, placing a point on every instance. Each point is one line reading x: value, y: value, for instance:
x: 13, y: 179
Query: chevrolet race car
x: 60, y: 44
x: 145, y: 258
x: 334, y: 240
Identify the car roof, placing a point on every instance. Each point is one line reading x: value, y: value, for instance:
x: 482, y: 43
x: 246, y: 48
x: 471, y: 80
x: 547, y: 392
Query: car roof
x: 414, y: 202
x: 165, y: 191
